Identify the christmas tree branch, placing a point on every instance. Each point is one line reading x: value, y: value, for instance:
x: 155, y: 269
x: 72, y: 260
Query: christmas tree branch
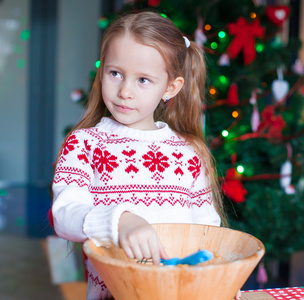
x: 257, y: 177
x: 219, y: 140
x: 292, y: 90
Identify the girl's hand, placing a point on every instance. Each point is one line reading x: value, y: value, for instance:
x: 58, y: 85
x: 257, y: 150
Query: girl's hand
x: 238, y: 295
x: 138, y: 238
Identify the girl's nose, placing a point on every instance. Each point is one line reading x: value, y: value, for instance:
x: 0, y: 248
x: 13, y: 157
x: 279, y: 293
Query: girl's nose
x: 125, y: 91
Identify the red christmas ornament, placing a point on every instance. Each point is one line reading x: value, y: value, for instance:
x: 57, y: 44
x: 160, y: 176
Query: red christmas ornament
x: 277, y: 14
x: 244, y: 39
x: 233, y: 98
x: 271, y: 123
x: 233, y: 187
x: 154, y: 3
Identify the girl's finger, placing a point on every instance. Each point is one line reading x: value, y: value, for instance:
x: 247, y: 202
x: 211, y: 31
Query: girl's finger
x: 145, y: 250
x: 127, y: 250
x: 154, y: 249
x: 136, y: 251
x: 162, y: 251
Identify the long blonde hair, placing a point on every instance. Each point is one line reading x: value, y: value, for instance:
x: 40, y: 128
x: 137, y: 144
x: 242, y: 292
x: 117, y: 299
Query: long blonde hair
x: 183, y: 112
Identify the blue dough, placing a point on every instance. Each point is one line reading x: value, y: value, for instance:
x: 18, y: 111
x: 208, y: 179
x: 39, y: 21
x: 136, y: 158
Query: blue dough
x: 193, y: 259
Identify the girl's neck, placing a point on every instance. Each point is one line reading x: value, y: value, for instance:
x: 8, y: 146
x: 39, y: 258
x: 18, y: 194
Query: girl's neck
x: 111, y: 126
x: 151, y: 127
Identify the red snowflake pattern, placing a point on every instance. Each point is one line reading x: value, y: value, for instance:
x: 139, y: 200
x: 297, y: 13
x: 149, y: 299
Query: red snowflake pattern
x: 87, y: 146
x: 195, y: 166
x: 155, y: 161
x: 84, y: 156
x: 70, y: 144
x: 104, y: 160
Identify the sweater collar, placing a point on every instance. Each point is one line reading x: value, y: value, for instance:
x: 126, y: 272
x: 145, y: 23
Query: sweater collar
x: 111, y: 126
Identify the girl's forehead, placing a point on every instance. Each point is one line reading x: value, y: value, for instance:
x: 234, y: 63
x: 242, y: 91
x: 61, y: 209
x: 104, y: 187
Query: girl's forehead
x: 126, y: 47
x: 118, y: 39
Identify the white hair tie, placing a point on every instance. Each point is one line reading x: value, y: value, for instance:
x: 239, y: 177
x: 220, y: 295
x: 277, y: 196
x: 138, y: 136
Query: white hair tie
x: 187, y: 42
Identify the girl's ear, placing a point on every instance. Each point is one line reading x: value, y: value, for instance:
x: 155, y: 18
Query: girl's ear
x: 173, y: 88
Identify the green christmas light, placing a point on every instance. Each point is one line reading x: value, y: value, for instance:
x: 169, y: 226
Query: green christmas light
x: 103, y: 23
x: 240, y: 169
x: 25, y: 35
x: 223, y: 80
x: 20, y: 63
x: 225, y: 133
x: 97, y: 64
x: 163, y: 15
x: 222, y: 34
x: 214, y: 45
x: 259, y: 47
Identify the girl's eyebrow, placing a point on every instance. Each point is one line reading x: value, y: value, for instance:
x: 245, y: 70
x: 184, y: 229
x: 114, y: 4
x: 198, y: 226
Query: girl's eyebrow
x: 111, y: 66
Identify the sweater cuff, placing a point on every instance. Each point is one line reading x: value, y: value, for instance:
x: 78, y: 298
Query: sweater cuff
x: 101, y: 223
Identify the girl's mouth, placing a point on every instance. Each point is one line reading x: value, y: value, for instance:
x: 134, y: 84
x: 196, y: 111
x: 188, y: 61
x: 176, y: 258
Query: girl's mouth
x: 123, y: 108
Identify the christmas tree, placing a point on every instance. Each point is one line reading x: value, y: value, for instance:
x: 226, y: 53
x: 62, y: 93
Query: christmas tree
x: 253, y: 116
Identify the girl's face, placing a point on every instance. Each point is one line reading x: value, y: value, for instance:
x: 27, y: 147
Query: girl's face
x: 133, y: 83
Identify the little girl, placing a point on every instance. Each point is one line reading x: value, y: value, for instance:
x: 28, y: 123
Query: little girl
x: 138, y: 156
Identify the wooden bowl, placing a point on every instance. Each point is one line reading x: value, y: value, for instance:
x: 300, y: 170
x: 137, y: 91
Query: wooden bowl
x: 236, y: 254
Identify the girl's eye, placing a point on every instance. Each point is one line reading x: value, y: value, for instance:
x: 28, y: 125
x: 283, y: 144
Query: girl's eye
x: 115, y: 74
x: 144, y: 80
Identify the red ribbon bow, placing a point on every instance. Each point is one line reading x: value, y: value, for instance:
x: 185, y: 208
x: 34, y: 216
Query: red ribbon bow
x: 271, y: 123
x: 244, y: 39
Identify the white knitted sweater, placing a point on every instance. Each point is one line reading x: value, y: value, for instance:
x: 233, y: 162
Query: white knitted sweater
x: 109, y: 169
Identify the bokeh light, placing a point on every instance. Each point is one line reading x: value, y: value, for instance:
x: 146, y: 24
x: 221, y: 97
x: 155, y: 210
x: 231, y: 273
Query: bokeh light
x: 225, y: 133
x: 212, y: 91
x: 235, y: 114
x: 221, y: 34
x: 103, y: 23
x: 240, y: 169
x: 20, y: 63
x: 259, y: 47
x: 97, y: 64
x: 207, y: 27
x: 214, y: 45
x: 223, y: 80
x: 25, y: 35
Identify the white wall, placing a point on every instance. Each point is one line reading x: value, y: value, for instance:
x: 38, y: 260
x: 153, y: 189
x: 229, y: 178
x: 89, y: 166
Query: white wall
x: 14, y: 16
x: 78, y: 43
x: 77, y: 51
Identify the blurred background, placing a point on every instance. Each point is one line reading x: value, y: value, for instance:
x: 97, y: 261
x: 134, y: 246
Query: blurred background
x: 253, y: 121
